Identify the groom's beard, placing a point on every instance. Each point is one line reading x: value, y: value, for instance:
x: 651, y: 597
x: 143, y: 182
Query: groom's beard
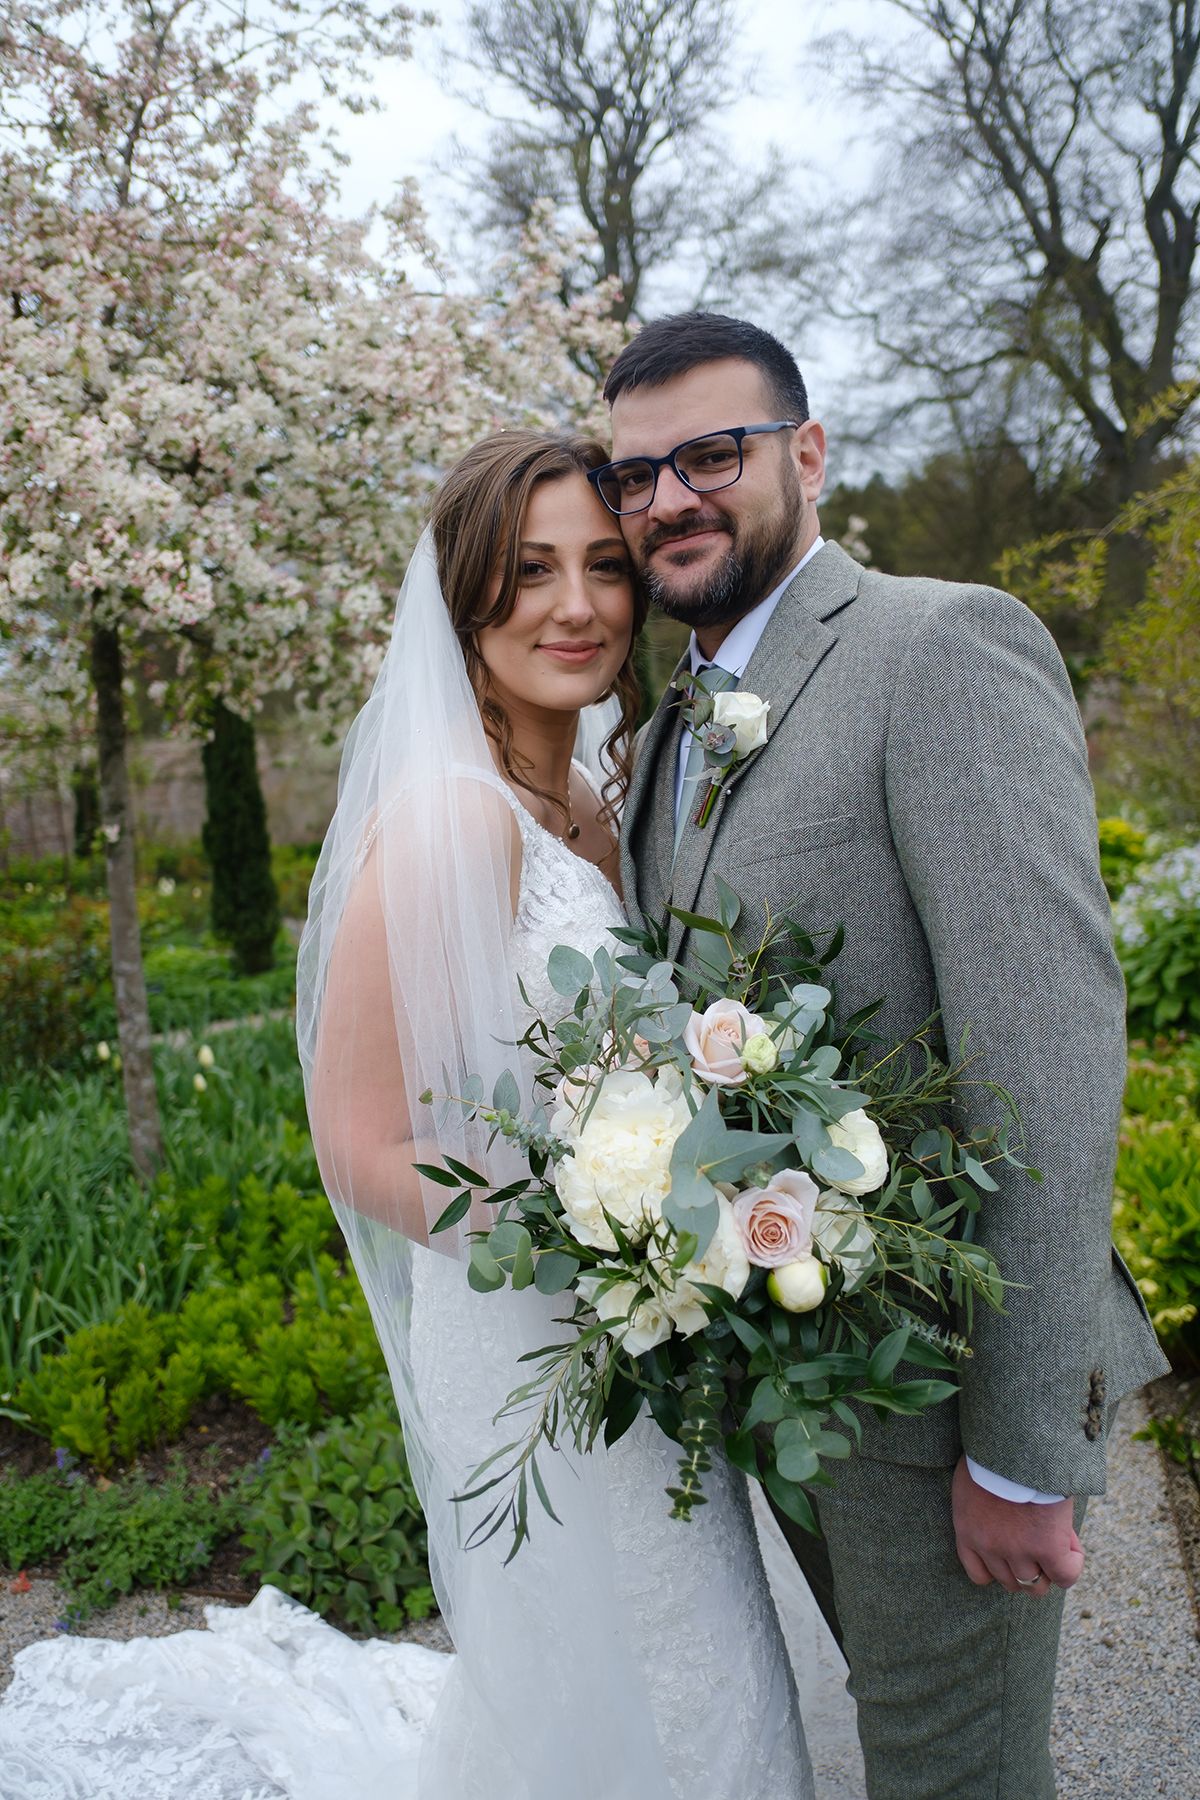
x: 757, y: 560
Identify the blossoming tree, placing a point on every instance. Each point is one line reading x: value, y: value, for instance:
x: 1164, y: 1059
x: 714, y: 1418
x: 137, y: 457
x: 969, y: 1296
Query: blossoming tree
x: 219, y: 413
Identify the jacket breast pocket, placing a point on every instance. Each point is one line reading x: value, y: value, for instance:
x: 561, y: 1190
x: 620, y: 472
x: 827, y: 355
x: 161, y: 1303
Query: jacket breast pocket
x: 798, y: 839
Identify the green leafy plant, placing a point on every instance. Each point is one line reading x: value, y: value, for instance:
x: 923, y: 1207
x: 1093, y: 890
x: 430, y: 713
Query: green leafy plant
x: 1156, y: 1216
x: 54, y: 986
x: 1122, y: 851
x: 110, y: 1539
x: 338, y: 1526
x: 292, y: 1354
x: 1157, y: 922
x: 80, y: 1237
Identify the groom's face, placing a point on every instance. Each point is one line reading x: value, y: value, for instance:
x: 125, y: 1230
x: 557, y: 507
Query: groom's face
x: 707, y: 559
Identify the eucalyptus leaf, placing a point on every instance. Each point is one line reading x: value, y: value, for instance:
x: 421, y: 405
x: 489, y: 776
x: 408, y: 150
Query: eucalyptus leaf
x: 569, y: 971
x: 554, y: 1271
x: 506, y: 1095
x: 836, y: 1165
x: 809, y: 1133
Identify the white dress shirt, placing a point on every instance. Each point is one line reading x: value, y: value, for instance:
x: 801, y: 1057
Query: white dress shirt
x: 734, y: 655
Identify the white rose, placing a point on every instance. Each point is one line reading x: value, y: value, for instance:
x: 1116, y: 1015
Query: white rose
x: 622, y: 1157
x: 860, y: 1135
x: 746, y: 715
x: 724, y: 1264
x: 845, y: 1237
x: 636, y: 1328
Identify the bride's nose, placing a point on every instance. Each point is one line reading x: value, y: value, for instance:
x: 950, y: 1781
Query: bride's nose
x: 572, y: 599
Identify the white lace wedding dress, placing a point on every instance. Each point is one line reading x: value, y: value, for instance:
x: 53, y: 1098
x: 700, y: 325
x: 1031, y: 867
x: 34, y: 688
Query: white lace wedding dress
x: 272, y: 1701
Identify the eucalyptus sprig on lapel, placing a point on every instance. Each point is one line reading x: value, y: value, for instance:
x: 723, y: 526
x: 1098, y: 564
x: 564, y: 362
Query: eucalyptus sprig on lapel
x: 730, y: 727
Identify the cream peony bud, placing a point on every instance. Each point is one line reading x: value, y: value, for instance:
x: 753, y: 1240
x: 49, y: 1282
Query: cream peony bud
x: 798, y: 1287
x: 205, y: 1057
x: 199, y: 1083
x: 759, y: 1055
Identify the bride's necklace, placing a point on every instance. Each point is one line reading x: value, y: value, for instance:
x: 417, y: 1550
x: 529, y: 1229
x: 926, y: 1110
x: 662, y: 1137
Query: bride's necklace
x: 572, y: 831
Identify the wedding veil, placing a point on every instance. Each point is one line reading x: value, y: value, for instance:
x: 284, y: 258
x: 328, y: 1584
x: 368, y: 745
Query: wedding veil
x: 405, y: 984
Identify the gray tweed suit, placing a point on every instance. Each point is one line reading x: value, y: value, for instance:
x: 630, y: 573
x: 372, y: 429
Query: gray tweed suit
x: 925, y: 784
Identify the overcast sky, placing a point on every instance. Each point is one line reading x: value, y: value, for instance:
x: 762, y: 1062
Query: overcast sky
x: 821, y: 133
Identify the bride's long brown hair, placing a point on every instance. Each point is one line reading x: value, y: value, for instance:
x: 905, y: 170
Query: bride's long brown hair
x: 476, y: 522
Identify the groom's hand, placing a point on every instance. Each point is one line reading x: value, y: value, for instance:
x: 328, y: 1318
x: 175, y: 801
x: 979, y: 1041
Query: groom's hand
x: 1013, y: 1542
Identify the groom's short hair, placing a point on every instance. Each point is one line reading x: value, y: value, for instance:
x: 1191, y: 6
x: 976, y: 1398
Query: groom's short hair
x: 674, y: 346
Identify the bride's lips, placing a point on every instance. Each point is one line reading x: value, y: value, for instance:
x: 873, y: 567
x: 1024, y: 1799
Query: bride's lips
x: 572, y: 655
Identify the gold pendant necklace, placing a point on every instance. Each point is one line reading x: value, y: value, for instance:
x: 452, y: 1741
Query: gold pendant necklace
x: 572, y: 831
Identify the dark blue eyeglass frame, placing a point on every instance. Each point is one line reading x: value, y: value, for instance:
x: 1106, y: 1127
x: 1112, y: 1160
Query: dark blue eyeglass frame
x: 656, y: 464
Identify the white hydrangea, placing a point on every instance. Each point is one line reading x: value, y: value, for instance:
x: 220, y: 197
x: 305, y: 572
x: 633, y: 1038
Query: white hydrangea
x: 1163, y: 891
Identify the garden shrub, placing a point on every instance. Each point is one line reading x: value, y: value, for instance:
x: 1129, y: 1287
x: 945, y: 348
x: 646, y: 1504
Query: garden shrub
x: 297, y: 1355
x: 1122, y: 850
x: 54, y: 990
x: 292, y: 866
x: 244, y: 1231
x: 1157, y: 921
x: 113, y: 1538
x: 245, y: 904
x: 337, y: 1525
x: 1156, y: 1218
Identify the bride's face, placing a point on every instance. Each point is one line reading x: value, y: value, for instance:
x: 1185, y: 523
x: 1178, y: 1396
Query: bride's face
x: 564, y: 642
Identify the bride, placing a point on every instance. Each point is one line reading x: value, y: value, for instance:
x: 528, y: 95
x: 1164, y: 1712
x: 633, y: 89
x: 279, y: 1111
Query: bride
x: 620, y: 1655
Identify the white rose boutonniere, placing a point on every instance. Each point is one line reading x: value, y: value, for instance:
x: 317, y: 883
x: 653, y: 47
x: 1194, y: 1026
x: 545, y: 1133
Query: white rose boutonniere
x: 729, y: 726
x: 746, y: 717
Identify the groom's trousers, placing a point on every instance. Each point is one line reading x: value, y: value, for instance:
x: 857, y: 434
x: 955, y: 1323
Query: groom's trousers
x: 954, y: 1683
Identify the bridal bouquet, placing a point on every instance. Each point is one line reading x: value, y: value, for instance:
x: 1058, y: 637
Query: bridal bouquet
x: 751, y: 1212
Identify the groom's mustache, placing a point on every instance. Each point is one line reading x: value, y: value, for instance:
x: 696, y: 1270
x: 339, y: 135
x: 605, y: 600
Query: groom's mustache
x: 677, y: 534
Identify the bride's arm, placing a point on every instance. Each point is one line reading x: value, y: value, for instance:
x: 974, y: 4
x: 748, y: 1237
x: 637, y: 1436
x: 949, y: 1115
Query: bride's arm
x: 360, y: 1115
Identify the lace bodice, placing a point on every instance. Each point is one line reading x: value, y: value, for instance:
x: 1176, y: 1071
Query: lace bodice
x: 563, y: 899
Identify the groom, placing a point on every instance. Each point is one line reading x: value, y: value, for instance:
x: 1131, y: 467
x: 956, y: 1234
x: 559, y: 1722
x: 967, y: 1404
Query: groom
x: 925, y: 784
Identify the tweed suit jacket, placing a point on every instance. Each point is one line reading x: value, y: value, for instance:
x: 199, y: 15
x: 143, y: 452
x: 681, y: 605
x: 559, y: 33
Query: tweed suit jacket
x: 925, y: 783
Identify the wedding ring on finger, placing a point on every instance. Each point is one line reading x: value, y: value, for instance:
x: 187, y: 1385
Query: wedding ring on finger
x: 1032, y: 1582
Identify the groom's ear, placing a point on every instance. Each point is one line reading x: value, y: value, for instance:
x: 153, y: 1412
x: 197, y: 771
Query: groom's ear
x: 807, y: 450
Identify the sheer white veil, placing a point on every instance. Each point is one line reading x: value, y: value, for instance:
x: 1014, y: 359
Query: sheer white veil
x: 406, y: 983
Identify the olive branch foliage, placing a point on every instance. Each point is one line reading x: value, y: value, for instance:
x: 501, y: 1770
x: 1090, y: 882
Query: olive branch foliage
x: 774, y: 1391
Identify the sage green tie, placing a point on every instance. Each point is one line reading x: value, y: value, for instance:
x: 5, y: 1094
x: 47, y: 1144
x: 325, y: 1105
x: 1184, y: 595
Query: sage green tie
x: 715, y: 680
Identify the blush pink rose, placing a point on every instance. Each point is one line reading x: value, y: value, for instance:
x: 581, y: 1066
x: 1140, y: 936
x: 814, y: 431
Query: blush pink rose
x: 776, y: 1221
x: 715, y: 1038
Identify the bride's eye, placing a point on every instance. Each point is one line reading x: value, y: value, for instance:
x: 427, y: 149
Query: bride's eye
x: 614, y: 566
x: 529, y: 571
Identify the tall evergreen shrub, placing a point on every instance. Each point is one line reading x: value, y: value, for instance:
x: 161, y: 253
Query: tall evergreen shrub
x: 245, y: 901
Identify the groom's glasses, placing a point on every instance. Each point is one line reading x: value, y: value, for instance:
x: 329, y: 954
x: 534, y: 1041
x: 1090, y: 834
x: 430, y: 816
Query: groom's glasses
x: 703, y: 464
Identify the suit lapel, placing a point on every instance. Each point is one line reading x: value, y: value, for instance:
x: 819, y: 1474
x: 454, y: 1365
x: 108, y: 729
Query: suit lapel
x: 648, y: 837
x: 795, y: 641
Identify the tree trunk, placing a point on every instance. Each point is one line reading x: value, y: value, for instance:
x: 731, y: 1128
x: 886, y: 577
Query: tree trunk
x: 129, y: 981
x: 245, y: 900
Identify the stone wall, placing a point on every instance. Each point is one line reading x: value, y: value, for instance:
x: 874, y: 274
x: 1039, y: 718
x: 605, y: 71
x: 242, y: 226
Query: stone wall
x: 299, y: 780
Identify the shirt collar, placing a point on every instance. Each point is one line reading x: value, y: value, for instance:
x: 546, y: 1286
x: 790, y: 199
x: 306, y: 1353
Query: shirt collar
x: 735, y: 653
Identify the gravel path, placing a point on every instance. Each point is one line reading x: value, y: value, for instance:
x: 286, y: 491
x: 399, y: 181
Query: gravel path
x: 1127, y: 1722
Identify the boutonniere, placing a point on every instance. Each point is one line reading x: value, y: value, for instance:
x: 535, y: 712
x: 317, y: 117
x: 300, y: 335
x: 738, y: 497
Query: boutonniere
x: 730, y: 727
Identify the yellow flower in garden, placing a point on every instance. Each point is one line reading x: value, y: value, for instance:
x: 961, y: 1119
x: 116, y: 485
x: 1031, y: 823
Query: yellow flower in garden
x: 103, y: 1053
x: 199, y: 1083
x: 205, y: 1057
